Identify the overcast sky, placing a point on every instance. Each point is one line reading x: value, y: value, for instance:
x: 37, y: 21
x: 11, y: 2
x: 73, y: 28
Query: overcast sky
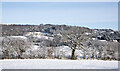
x: 87, y: 14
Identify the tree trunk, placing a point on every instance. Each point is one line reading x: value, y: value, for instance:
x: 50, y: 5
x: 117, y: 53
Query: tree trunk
x: 73, y: 54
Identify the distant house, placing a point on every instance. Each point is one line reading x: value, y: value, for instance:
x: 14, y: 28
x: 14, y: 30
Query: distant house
x: 94, y: 38
x: 87, y: 33
x: 100, y: 38
x: 115, y: 41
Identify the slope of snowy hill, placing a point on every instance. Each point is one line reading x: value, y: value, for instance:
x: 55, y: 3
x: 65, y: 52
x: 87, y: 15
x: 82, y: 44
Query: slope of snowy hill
x: 57, y: 64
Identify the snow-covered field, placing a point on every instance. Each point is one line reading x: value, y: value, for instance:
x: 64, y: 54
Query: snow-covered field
x: 57, y: 64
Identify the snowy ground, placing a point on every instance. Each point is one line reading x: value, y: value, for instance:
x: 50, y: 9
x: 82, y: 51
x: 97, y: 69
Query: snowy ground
x: 58, y: 64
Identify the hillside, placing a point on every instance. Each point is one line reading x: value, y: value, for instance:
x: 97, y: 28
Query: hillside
x: 58, y: 41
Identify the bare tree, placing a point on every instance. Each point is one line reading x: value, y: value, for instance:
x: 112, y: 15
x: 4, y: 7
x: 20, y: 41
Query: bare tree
x: 74, y: 41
